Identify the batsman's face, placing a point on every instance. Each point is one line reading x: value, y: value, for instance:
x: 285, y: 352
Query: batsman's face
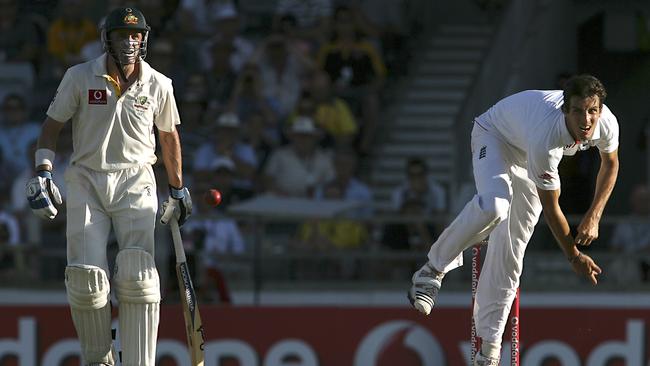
x: 582, y: 116
x: 126, y: 44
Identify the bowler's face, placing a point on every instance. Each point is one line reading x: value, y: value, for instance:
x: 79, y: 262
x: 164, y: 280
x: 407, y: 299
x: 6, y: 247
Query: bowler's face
x: 582, y: 116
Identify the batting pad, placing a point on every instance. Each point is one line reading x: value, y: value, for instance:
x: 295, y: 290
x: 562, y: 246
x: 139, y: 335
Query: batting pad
x: 138, y: 291
x: 88, y: 294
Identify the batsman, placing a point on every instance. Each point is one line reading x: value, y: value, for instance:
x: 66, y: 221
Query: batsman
x: 115, y: 104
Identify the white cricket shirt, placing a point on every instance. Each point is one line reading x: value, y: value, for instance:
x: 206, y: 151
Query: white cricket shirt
x: 532, y: 121
x: 112, y: 131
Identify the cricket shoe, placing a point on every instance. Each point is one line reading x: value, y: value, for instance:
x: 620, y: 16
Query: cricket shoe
x: 480, y: 360
x: 426, y: 284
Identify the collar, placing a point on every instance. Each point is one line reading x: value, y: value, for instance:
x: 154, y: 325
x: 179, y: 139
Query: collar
x: 99, y: 65
x: 99, y: 68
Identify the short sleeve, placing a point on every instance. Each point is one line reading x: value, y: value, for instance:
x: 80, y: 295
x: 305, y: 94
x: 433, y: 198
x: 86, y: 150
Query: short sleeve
x: 167, y: 117
x: 609, y: 135
x: 66, y: 100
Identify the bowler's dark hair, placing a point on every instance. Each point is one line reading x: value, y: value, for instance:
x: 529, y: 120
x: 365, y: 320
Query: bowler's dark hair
x: 583, y: 86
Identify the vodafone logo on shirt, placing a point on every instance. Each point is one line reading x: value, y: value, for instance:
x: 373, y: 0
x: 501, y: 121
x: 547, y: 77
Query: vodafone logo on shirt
x: 546, y: 176
x: 96, y: 96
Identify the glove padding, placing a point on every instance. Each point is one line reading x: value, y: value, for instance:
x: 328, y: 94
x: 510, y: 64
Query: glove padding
x: 178, y: 206
x: 40, y: 192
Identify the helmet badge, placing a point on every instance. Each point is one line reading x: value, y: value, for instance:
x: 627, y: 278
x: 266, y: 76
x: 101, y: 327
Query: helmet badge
x: 130, y: 18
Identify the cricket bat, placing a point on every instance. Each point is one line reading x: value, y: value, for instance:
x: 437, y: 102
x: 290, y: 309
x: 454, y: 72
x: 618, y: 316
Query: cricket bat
x: 193, y: 324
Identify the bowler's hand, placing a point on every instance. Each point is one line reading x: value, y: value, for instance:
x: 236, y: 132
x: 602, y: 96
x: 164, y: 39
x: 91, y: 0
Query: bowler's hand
x: 587, y: 231
x: 583, y: 265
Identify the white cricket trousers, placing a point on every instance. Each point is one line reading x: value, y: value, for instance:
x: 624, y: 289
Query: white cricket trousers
x: 507, y: 208
x: 124, y: 200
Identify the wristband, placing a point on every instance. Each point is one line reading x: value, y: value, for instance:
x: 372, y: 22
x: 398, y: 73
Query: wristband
x: 177, y: 193
x: 575, y: 258
x: 44, y: 157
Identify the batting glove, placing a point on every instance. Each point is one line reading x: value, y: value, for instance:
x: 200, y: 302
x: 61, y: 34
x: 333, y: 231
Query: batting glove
x: 40, y: 192
x: 177, y: 206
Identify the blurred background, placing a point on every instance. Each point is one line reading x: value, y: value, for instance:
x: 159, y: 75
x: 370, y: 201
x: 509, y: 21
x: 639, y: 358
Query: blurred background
x: 338, y: 134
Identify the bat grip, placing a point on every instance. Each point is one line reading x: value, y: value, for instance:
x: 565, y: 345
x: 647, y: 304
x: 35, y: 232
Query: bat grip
x: 178, y: 241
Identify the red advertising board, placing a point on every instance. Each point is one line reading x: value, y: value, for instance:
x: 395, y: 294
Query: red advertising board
x: 345, y: 336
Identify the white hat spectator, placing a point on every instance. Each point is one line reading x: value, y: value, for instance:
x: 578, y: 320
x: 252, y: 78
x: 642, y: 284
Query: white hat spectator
x: 304, y: 125
x: 226, y: 11
x: 223, y: 162
x: 228, y: 120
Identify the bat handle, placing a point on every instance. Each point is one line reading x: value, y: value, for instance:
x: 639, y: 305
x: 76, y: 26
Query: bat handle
x: 178, y: 241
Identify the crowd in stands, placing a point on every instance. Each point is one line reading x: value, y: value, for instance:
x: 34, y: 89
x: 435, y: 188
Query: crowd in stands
x: 286, y: 102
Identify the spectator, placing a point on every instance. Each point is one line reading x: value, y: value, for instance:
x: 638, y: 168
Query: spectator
x: 162, y: 56
x: 332, y: 234
x: 18, y: 37
x: 337, y: 233
x: 419, y: 184
x: 262, y: 138
x: 30, y: 225
x: 306, y: 108
x: 282, y: 70
x: 413, y: 235
x: 9, y: 240
x: 287, y: 26
x: 248, y: 98
x: 68, y: 33
x: 18, y: 132
x: 221, y: 78
x: 228, y: 32
x: 312, y: 17
x: 357, y: 71
x: 227, y: 142
x: 199, y: 18
x: 222, y: 177
x: 632, y: 237
x: 385, y: 21
x: 351, y: 188
x: 195, y: 90
x: 160, y: 15
x: 48, y: 234
x: 213, y: 234
x: 332, y: 113
x: 296, y: 169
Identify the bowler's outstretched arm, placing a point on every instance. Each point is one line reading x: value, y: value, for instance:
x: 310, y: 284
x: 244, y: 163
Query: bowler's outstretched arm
x: 587, y: 231
x: 557, y: 222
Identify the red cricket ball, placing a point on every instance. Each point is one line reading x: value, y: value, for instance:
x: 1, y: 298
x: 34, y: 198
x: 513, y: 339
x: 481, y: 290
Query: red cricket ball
x: 212, y: 197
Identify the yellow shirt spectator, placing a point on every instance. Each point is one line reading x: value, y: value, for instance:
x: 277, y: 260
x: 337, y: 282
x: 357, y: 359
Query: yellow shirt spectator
x: 339, y: 234
x: 65, y: 39
x: 336, y: 119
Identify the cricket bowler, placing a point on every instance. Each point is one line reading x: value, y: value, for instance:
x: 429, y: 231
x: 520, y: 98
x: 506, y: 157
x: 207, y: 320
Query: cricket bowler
x: 516, y: 148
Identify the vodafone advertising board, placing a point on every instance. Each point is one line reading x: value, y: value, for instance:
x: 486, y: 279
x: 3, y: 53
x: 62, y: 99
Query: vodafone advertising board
x: 351, y: 336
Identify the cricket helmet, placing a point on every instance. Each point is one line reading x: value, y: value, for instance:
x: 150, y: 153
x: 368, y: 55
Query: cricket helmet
x: 126, y: 51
